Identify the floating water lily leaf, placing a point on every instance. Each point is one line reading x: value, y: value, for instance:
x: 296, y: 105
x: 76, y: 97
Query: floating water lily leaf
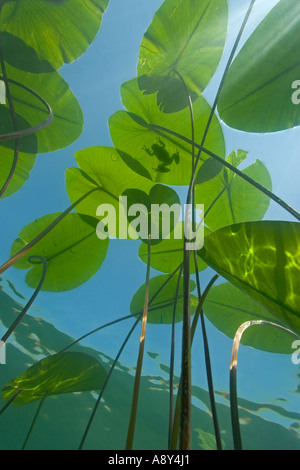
x: 66, y: 372
x: 58, y: 30
x: 257, y: 96
x: 167, y: 255
x: 165, y: 158
x: 161, y: 309
x: 187, y: 36
x: 103, y: 170
x: 68, y: 119
x: 72, y: 249
x: 227, y: 307
x: 263, y: 260
x: 235, y: 199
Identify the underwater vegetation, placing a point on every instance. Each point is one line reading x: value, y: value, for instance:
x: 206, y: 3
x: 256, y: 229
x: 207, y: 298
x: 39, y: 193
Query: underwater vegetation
x: 230, y: 267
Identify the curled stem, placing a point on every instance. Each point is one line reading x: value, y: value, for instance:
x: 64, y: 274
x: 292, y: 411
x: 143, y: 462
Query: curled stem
x: 236, y: 431
x: 31, y: 130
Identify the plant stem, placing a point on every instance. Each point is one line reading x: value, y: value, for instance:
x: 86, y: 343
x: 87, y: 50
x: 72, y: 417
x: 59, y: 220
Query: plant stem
x: 185, y: 425
x: 9, y: 402
x: 236, y: 431
x: 34, y: 422
x: 39, y: 237
x: 118, y: 356
x: 172, y: 355
x: 33, y: 260
x: 135, y: 397
x: 31, y: 130
x: 208, y: 363
x: 106, y: 382
x: 176, y: 425
x: 233, y: 375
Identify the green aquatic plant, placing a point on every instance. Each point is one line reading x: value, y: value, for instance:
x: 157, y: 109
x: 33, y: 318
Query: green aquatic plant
x: 168, y: 135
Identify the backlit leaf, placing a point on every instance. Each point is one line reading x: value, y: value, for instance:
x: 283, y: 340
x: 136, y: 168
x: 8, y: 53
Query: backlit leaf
x: 187, y: 36
x: 58, y: 30
x: 66, y: 372
x: 72, y: 249
x: 258, y: 92
x: 263, y: 260
x: 227, y: 307
x: 167, y: 159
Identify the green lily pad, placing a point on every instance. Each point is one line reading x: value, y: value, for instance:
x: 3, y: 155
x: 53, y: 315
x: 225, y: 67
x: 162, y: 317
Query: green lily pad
x: 234, y: 199
x: 102, y: 169
x: 72, y: 250
x: 258, y: 92
x: 263, y: 260
x: 67, y: 124
x: 227, y: 308
x: 58, y: 30
x: 165, y: 158
x: 186, y: 36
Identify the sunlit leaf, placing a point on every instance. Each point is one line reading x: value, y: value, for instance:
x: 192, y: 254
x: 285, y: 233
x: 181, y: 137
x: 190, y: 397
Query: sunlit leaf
x: 234, y: 199
x: 227, y: 307
x: 68, y: 119
x: 164, y: 157
x: 161, y: 309
x: 58, y: 30
x: 72, y: 249
x: 258, y: 93
x: 263, y: 260
x: 102, y: 169
x: 187, y: 36
x: 61, y: 373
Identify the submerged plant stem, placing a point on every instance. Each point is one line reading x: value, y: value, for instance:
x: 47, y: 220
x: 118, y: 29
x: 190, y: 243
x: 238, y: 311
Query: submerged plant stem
x: 172, y: 356
x: 236, y: 431
x: 208, y: 361
x: 106, y: 383
x: 34, y: 421
x: 136, y: 390
x: 33, y: 260
x: 117, y: 358
x: 176, y: 425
